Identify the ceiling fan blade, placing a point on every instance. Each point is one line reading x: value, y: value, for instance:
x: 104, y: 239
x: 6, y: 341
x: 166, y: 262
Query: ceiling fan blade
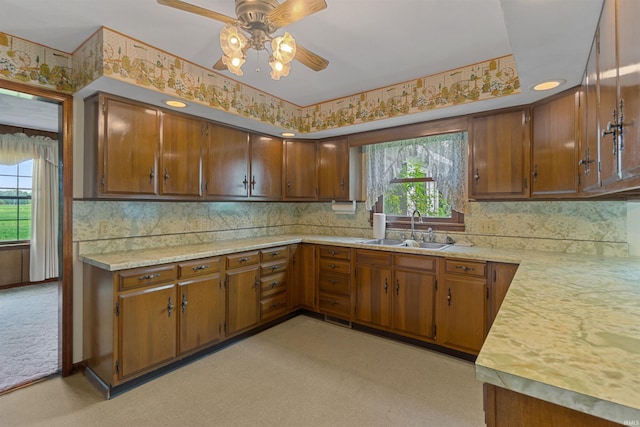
x: 294, y: 10
x: 188, y: 7
x: 310, y: 59
x: 220, y: 66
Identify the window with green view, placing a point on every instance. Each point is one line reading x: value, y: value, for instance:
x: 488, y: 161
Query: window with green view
x: 15, y: 202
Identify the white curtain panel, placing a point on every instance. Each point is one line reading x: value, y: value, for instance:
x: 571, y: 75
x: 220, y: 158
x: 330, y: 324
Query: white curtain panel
x: 445, y: 156
x: 17, y: 148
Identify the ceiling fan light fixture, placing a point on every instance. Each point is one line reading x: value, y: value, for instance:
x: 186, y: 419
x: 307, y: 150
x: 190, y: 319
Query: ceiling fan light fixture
x: 278, y: 68
x: 284, y: 48
x: 234, y: 63
x: 232, y: 40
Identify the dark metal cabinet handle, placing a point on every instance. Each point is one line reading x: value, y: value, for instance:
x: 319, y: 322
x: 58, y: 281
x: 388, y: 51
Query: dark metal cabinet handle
x: 151, y: 175
x: 449, y: 297
x: 275, y: 253
x: 184, y: 302
x: 464, y: 268
x: 166, y: 175
x: 245, y: 182
x: 386, y: 285
x: 476, y: 177
x: 274, y: 284
x: 245, y: 259
x: 149, y: 276
x: 535, y: 173
x: 274, y: 267
x: 253, y: 183
x: 397, y: 287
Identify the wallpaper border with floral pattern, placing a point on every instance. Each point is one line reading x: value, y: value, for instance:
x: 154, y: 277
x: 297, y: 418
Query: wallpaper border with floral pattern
x: 114, y: 55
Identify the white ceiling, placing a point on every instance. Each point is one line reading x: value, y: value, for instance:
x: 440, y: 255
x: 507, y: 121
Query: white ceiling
x: 369, y: 44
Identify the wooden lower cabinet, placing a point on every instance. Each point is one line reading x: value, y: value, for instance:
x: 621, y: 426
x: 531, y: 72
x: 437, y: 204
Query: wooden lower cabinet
x: 304, y: 292
x: 461, y: 305
x: 273, y: 283
x: 500, y: 277
x: 374, y: 288
x: 242, y: 280
x: 334, y: 281
x: 504, y: 407
x: 413, y: 303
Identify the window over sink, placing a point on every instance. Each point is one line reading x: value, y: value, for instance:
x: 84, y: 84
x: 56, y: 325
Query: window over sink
x: 425, y: 174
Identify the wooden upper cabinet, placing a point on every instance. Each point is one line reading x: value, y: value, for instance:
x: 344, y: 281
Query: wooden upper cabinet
x: 333, y: 169
x: 300, y: 170
x: 500, y: 155
x: 266, y: 167
x: 180, y: 156
x: 124, y: 161
x: 629, y: 81
x: 227, y: 162
x: 608, y: 93
x: 554, y: 145
x: 589, y: 170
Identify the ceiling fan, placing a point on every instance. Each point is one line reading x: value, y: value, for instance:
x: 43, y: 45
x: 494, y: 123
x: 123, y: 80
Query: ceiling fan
x: 254, y: 27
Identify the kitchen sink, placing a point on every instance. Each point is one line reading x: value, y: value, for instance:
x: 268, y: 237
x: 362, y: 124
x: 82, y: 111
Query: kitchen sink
x: 384, y: 242
x: 432, y: 245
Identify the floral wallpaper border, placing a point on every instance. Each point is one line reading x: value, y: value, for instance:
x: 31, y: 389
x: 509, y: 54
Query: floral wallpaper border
x: 114, y: 55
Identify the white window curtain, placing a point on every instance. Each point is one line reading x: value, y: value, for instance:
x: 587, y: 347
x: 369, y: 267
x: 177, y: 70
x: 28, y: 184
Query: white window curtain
x: 17, y: 148
x: 445, y: 157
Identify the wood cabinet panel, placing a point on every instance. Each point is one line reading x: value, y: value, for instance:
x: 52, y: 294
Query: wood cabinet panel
x: 128, y: 144
x: 145, y: 276
x: 555, y: 146
x: 414, y: 302
x: 180, y: 171
x: 300, y: 170
x: 227, y: 162
x: 500, y: 277
x: 373, y: 295
x: 243, y: 298
x: 199, y: 267
x: 147, y: 322
x: 304, y: 289
x: 333, y: 169
x: 337, y: 305
x: 201, y: 303
x: 266, y: 167
x: 500, y: 155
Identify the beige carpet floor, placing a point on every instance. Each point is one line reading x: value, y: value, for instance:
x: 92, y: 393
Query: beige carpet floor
x: 303, y: 372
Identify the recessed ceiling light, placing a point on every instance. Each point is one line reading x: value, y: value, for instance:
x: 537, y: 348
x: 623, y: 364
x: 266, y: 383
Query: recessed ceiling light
x: 288, y: 134
x: 551, y: 84
x: 175, y: 103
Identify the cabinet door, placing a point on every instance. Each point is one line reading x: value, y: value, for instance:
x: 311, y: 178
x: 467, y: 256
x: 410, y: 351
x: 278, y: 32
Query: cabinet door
x: 201, y: 303
x: 129, y: 143
x: 500, y: 150
x: 374, y: 288
x: 147, y: 322
x: 180, y: 156
x: 414, y: 302
x: 608, y: 87
x: 227, y: 162
x: 300, y: 169
x: 460, y: 311
x: 590, y: 172
x: 554, y: 146
x: 266, y: 167
x: 333, y: 169
x: 243, y: 298
x: 304, y: 290
x: 500, y: 275
x: 628, y: 60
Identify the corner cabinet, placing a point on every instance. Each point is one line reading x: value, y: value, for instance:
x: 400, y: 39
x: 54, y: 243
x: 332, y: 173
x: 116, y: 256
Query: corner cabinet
x: 333, y: 169
x: 300, y: 170
x: 499, y: 162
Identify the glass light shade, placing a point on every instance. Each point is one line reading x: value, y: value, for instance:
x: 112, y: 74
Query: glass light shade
x: 234, y: 63
x: 278, y: 68
x: 284, y: 48
x: 232, y: 40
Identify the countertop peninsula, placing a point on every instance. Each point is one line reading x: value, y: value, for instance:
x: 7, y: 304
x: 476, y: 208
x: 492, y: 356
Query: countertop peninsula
x: 568, y: 331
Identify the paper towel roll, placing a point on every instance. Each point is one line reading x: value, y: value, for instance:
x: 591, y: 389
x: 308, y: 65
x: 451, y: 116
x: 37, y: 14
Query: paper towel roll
x: 379, y: 225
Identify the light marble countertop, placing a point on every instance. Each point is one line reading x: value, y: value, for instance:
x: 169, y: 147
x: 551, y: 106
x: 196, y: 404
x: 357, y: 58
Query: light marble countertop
x: 568, y: 330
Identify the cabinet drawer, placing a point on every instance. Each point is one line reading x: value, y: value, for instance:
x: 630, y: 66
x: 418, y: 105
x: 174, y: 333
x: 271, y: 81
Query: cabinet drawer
x: 373, y: 257
x: 335, y: 304
x: 242, y: 259
x: 468, y: 268
x: 273, y: 285
x: 272, y: 254
x: 198, y: 267
x: 138, y: 277
x: 272, y: 268
x: 335, y: 252
x: 273, y: 307
x: 333, y: 266
x: 334, y: 284
x: 419, y: 262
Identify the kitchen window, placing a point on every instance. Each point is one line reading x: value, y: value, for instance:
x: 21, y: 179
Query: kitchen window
x: 426, y: 174
x: 15, y: 202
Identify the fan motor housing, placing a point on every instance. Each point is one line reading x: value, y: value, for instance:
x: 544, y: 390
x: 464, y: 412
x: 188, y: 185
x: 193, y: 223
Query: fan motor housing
x: 253, y: 14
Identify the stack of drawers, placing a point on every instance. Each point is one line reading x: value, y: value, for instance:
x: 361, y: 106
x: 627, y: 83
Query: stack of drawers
x: 273, y: 282
x: 334, y: 267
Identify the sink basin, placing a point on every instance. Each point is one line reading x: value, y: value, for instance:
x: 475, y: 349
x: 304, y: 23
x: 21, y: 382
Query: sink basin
x: 384, y: 242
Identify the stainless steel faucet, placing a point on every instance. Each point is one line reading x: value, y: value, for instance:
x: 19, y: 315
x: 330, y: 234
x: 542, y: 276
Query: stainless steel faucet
x: 413, y: 232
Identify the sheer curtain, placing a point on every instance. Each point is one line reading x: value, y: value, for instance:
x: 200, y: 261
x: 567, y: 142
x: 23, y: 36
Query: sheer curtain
x: 445, y: 156
x: 17, y: 148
